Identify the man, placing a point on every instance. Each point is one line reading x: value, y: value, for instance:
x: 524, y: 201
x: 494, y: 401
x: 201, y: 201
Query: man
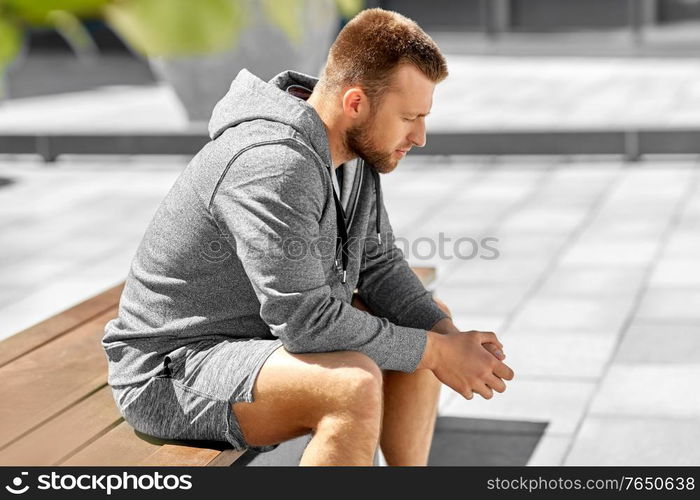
x: 238, y: 320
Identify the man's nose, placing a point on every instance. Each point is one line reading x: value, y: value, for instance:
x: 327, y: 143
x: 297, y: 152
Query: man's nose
x: 417, y: 136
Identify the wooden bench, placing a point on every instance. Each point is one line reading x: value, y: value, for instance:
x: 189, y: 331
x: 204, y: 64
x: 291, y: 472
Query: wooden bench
x: 57, y: 408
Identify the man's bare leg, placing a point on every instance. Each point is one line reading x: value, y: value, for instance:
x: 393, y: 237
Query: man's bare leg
x: 410, y: 410
x: 337, y: 396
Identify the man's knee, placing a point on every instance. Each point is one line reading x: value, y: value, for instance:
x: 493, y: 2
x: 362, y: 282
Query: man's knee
x: 355, y: 386
x: 341, y: 383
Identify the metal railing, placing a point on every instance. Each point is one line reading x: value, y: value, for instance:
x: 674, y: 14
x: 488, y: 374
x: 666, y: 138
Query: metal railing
x: 630, y: 144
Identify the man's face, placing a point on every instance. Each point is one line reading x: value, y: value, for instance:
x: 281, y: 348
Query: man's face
x: 398, y: 123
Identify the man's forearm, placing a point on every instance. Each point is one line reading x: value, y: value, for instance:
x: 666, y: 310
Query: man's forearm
x: 433, y: 344
x: 430, y: 355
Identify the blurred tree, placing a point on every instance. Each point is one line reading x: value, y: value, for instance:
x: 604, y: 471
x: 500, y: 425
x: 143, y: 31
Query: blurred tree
x: 177, y: 27
x: 61, y: 15
x: 182, y: 32
x: 186, y: 27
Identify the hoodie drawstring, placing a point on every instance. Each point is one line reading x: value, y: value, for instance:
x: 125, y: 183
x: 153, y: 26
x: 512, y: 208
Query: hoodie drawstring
x: 378, y: 202
x: 340, y: 220
x: 342, y: 228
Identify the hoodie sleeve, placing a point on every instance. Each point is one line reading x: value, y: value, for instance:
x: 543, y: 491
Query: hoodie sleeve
x: 388, y: 285
x: 270, y: 202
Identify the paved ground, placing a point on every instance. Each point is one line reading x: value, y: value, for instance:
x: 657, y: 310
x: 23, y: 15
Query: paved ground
x: 482, y: 93
x: 596, y: 296
x: 595, y: 291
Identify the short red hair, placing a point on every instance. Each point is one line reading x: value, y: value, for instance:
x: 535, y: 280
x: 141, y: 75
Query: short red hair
x: 371, y: 46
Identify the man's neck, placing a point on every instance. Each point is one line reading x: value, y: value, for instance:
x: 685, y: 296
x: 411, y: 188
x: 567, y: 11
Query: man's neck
x: 334, y: 131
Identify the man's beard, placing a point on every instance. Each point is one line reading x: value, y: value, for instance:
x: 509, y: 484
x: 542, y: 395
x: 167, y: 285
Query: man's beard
x: 358, y: 141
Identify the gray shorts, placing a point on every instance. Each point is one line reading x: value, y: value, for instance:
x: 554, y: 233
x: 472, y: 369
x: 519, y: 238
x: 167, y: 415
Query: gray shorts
x: 191, y: 399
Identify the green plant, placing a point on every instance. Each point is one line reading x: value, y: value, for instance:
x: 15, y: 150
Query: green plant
x: 10, y: 41
x: 186, y: 27
x: 151, y: 27
x: 177, y: 27
x: 16, y: 16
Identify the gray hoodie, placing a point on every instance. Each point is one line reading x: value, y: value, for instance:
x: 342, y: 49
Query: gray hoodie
x: 252, y: 241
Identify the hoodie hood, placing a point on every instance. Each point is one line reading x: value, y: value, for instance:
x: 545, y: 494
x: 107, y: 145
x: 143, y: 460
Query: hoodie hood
x: 279, y: 100
x: 283, y: 100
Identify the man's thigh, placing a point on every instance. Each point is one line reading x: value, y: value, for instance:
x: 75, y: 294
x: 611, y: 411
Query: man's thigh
x: 292, y: 393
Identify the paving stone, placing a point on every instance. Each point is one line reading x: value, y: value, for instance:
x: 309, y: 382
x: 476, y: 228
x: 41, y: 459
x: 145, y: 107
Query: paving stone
x: 676, y: 273
x: 480, y: 322
x: 481, y: 299
x: 670, y: 305
x: 52, y: 299
x: 558, y: 354
x: 523, y: 244
x: 550, y: 450
x: 583, y: 314
x: 538, y: 220
x: 622, y: 227
x: 659, y: 343
x: 446, y: 394
x: 650, y: 390
x: 516, y: 271
x: 593, y: 281
x: 636, y: 441
x: 559, y: 402
x: 638, y: 252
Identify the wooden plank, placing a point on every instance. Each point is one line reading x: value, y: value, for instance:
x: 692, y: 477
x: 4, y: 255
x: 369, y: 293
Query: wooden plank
x: 65, y: 433
x: 226, y: 458
x: 170, y: 454
x: 122, y: 446
x: 55, y: 326
x: 51, y: 378
x: 119, y: 447
x: 62, y: 437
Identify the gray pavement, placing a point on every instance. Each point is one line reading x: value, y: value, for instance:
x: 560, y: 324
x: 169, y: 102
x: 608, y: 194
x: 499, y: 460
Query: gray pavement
x: 482, y: 93
x: 595, y: 291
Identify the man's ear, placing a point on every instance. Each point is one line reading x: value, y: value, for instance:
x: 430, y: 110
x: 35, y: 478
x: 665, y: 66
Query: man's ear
x: 355, y: 103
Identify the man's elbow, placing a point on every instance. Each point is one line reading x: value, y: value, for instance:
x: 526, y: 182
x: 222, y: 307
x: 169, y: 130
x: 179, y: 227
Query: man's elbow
x: 297, y: 339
